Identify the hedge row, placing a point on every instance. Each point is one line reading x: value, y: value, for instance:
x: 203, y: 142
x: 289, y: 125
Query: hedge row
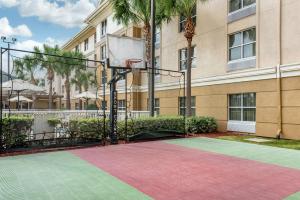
x: 15, y: 130
x: 93, y: 128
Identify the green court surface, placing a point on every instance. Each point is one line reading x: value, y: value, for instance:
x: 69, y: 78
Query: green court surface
x: 59, y: 176
x: 293, y: 197
x: 154, y: 170
x: 266, y: 154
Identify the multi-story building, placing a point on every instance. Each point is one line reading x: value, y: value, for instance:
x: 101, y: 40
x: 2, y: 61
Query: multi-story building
x: 245, y: 64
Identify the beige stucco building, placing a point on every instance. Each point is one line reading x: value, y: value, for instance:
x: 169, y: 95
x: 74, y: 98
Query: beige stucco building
x: 246, y: 64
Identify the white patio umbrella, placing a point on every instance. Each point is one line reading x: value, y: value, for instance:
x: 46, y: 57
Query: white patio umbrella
x: 86, y: 96
x: 19, y: 86
x: 20, y: 99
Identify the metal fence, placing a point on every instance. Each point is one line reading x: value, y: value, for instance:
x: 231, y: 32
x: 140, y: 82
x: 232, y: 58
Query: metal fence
x: 41, y: 117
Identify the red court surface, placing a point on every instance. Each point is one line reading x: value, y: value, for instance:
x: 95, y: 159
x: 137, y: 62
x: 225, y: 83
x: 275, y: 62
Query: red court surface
x: 167, y: 171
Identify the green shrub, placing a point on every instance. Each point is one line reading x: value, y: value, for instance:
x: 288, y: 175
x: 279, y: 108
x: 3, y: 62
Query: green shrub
x: 93, y: 127
x: 53, y: 122
x: 151, y: 124
x: 15, y: 130
x: 201, y: 125
x: 88, y: 128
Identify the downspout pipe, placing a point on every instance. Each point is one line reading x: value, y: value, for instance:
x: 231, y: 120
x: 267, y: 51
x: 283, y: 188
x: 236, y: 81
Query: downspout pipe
x: 279, y: 91
x: 279, y: 81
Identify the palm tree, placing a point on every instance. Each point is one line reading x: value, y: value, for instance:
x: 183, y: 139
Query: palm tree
x: 70, y: 61
x: 82, y: 80
x: 138, y: 12
x: 26, y: 68
x: 50, y: 64
x: 185, y: 9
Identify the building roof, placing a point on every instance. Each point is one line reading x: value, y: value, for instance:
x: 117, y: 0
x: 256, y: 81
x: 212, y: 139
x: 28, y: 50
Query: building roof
x: 77, y: 36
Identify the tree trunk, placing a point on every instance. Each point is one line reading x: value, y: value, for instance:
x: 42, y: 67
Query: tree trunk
x: 50, y: 98
x: 147, y: 33
x: 50, y: 79
x: 80, y: 101
x: 189, y: 80
x: 68, y: 92
x: 189, y: 34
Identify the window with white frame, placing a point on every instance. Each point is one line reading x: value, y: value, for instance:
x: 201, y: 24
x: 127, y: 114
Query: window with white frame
x: 242, y: 107
x: 157, y: 65
x: 242, y: 44
x: 103, y: 52
x: 182, y: 105
x: 235, y: 5
x: 182, y: 19
x: 103, y: 27
x: 95, y: 58
x: 157, y: 106
x: 95, y: 37
x: 121, y: 105
x: 183, y: 58
x: 86, y: 44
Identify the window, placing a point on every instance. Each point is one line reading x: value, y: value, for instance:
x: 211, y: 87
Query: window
x: 182, y: 106
x: 103, y: 52
x: 104, y: 105
x: 95, y: 38
x: 235, y: 5
x: 157, y: 37
x: 77, y: 106
x: 183, y: 58
x: 77, y: 48
x: 103, y: 28
x: 121, y: 105
x: 182, y: 19
x: 242, y: 107
x: 86, y: 44
x: 63, y: 89
x: 95, y: 58
x: 157, y: 106
x: 103, y: 75
x: 242, y: 44
x: 157, y: 65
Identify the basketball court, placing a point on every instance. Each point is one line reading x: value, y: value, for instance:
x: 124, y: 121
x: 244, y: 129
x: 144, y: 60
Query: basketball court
x: 198, y: 168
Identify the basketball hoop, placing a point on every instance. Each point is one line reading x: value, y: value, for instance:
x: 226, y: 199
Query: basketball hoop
x: 130, y: 62
x: 125, y: 52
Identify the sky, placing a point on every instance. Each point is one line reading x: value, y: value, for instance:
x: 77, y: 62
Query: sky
x: 34, y: 22
x: 38, y: 22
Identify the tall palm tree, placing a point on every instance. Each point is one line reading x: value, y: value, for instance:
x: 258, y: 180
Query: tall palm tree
x: 139, y: 12
x: 69, y: 62
x: 26, y: 68
x: 82, y: 80
x: 185, y: 9
x: 50, y: 64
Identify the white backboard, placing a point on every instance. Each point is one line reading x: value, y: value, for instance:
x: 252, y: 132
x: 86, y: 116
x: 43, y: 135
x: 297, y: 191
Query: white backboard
x: 121, y: 49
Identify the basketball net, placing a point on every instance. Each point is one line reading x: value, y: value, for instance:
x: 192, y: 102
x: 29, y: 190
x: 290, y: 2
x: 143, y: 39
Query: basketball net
x: 129, y: 63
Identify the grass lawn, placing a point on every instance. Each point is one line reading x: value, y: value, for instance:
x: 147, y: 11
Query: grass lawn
x: 282, y: 143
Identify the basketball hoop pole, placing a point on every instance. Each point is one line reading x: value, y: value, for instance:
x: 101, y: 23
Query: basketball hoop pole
x: 152, y: 70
